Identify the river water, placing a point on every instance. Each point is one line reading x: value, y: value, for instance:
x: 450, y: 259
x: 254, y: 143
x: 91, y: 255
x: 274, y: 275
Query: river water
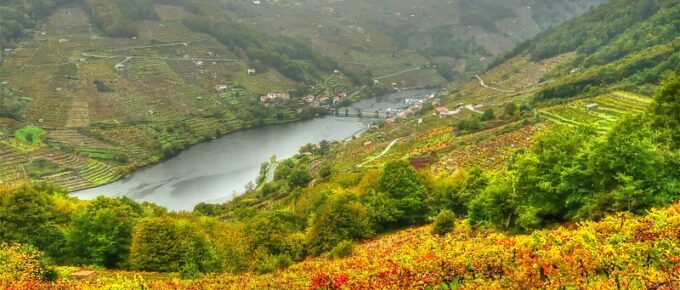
x: 218, y: 170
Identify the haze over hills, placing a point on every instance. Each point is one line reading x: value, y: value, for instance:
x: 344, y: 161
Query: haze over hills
x: 556, y: 166
x: 117, y: 85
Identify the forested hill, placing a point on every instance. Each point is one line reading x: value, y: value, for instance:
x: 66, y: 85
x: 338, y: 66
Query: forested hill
x: 364, y: 39
x: 623, y: 44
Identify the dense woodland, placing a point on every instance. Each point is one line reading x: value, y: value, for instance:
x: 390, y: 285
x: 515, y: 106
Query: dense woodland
x: 625, y: 44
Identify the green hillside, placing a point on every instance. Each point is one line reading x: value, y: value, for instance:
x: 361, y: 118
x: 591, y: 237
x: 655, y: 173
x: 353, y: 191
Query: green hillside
x: 556, y: 167
x: 122, y: 84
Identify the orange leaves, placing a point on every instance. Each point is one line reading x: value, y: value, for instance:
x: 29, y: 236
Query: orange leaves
x: 630, y: 252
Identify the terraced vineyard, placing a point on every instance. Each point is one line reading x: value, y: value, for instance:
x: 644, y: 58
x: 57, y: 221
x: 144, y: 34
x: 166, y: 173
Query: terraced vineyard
x: 605, y: 110
x: 10, y: 169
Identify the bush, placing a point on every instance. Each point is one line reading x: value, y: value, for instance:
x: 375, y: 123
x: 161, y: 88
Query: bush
x: 341, y: 218
x: 24, y: 263
x: 325, y: 171
x: 342, y: 249
x: 155, y: 246
x: 299, y: 178
x: 444, y: 223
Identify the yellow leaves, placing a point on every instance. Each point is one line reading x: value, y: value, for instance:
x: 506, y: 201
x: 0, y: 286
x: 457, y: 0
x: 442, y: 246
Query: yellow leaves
x: 20, y: 263
x: 594, y: 255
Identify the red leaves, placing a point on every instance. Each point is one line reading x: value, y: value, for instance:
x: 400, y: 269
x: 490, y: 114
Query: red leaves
x: 324, y: 281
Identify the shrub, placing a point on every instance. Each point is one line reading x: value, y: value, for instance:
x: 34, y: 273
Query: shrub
x: 325, y: 171
x: 342, y: 217
x: 342, y: 249
x: 24, y: 263
x: 444, y: 223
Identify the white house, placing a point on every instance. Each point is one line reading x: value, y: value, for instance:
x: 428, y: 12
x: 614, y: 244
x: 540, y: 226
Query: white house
x: 221, y: 88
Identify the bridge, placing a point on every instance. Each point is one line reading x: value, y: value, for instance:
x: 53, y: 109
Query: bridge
x: 358, y: 113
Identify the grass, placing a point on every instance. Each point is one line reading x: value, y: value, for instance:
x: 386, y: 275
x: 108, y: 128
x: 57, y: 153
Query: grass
x: 30, y: 135
x: 39, y: 168
x: 103, y: 154
x: 611, y: 108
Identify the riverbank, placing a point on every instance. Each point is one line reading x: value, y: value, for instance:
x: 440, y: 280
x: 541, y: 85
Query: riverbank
x: 217, y: 170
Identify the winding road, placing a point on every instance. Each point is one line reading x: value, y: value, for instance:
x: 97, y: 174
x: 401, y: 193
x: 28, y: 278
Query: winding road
x: 481, y: 83
x: 382, y: 153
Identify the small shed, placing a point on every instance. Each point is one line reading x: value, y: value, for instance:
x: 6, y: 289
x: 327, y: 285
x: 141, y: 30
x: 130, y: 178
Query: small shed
x: 251, y: 71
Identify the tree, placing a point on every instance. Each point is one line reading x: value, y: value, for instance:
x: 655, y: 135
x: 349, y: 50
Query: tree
x: 341, y: 218
x: 666, y: 110
x: 488, y: 115
x: 444, y: 223
x: 28, y: 216
x: 155, y: 245
x: 270, y: 230
x: 510, y: 109
x: 406, y: 188
x: 299, y: 178
x: 325, y: 171
x: 101, y: 233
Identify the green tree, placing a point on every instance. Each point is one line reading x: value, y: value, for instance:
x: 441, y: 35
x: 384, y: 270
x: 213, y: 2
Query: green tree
x: 510, y: 109
x: 341, y: 218
x: 155, y: 245
x: 488, y: 115
x: 405, y: 188
x: 28, y: 216
x: 101, y: 233
x: 299, y: 177
x: 666, y: 110
x: 325, y: 171
x: 444, y: 223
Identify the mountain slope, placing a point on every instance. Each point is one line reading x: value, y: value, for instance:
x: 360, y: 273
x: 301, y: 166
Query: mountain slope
x: 515, y: 176
x: 122, y: 84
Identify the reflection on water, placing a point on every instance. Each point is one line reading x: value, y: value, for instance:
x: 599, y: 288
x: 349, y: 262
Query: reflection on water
x: 217, y: 170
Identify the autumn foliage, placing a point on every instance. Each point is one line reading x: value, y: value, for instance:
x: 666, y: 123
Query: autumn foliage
x: 622, y: 251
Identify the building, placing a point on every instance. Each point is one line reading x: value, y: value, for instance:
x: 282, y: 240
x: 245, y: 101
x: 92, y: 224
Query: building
x: 309, y: 98
x: 282, y: 96
x: 119, y: 67
x: 274, y: 96
x: 442, y: 111
x: 251, y: 71
x: 221, y: 88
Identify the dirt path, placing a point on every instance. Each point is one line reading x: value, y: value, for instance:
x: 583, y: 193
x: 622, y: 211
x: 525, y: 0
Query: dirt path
x: 397, y: 73
x: 481, y: 83
x: 387, y: 149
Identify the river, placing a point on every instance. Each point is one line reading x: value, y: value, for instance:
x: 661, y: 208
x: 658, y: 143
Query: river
x: 218, y: 170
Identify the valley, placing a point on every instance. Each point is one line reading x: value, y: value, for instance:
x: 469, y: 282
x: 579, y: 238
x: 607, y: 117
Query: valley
x: 340, y: 144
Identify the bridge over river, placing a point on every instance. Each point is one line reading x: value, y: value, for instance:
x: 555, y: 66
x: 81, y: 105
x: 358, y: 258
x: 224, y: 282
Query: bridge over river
x: 363, y: 113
